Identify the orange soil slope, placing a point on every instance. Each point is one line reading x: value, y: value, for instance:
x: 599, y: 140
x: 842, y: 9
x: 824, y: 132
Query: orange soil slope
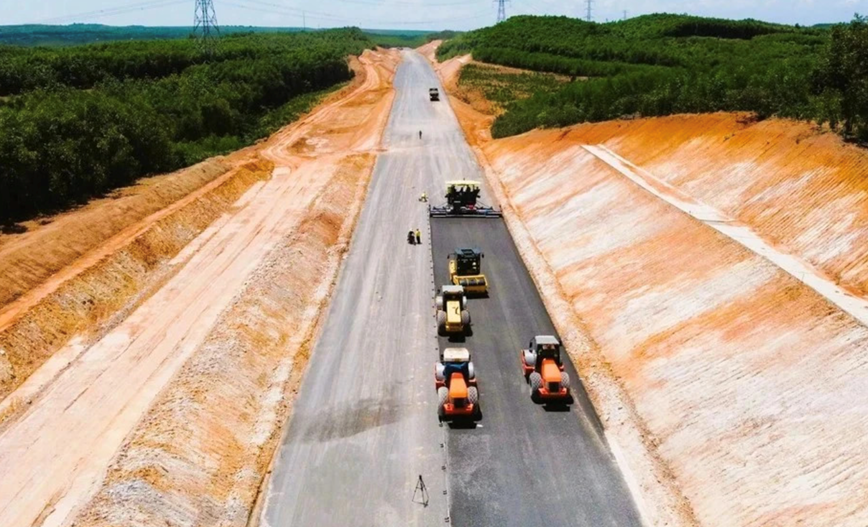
x: 93, y: 292
x: 52, y: 243
x: 750, y: 385
x: 753, y: 171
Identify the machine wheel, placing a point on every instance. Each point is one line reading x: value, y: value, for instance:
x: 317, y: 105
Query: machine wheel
x: 473, y: 395
x: 535, y: 383
x: 565, y: 380
x: 529, y: 358
x: 442, y: 396
x: 439, y: 303
x: 441, y: 323
x: 465, y: 318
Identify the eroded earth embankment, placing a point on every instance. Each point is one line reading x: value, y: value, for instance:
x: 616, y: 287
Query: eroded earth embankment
x: 107, y: 259
x: 163, y: 352
x: 744, y: 386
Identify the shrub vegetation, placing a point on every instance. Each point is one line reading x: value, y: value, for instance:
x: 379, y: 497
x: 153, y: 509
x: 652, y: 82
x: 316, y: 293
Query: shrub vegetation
x: 503, y: 86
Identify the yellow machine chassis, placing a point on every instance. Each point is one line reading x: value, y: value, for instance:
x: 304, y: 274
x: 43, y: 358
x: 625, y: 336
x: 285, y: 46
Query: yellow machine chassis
x: 473, y: 284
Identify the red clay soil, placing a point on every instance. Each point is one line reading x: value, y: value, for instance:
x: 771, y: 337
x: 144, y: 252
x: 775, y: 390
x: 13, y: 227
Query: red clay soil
x: 52, y: 243
x: 800, y: 188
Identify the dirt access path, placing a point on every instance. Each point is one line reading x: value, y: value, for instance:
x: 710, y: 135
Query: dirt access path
x: 151, y: 379
x: 740, y: 379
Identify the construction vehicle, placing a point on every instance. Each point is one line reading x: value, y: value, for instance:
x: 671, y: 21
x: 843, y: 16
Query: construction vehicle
x: 452, y: 315
x: 544, y: 370
x: 457, y: 391
x: 434, y: 94
x: 462, y: 201
x: 465, y: 270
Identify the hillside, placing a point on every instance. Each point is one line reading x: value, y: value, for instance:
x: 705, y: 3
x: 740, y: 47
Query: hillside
x: 660, y: 65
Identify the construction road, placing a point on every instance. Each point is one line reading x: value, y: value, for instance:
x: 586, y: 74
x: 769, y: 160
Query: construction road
x: 364, y: 425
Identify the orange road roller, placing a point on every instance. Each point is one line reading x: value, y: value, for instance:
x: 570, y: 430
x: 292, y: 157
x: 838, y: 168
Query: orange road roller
x: 457, y: 391
x: 544, y: 371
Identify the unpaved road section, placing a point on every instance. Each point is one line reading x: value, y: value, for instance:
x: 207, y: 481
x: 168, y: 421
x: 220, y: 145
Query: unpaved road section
x: 364, y: 426
x: 175, y: 386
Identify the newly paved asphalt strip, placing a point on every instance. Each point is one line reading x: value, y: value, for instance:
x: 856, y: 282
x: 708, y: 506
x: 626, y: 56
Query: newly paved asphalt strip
x: 364, y: 426
x: 527, y: 464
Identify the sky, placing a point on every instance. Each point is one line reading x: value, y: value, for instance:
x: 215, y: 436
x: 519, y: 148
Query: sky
x: 408, y: 14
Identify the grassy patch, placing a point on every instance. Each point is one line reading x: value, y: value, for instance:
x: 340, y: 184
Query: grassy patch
x: 504, y: 86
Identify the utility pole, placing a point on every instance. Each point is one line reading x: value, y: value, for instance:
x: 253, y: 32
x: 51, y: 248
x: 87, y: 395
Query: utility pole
x: 589, y: 4
x: 501, y: 11
x: 625, y: 14
x: 205, y: 26
x: 304, y: 21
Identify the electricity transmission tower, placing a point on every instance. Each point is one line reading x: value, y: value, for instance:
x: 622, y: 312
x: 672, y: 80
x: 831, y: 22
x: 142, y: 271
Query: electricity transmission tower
x: 589, y: 5
x: 205, y: 26
x: 501, y: 10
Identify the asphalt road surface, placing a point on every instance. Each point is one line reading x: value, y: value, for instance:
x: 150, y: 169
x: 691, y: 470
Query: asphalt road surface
x: 364, y: 427
x: 527, y: 464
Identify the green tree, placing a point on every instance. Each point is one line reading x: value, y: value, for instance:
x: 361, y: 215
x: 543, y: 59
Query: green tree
x: 843, y: 77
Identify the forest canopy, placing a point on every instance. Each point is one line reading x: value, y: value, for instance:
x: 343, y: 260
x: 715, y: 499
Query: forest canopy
x: 665, y: 64
x: 79, y: 121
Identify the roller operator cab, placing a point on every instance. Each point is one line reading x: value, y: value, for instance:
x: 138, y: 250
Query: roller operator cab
x: 457, y: 391
x: 452, y: 315
x: 465, y: 269
x: 544, y: 371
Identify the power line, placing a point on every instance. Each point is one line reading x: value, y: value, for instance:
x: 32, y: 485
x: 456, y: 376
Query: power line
x: 113, y: 11
x: 267, y: 7
x: 414, y: 4
x: 205, y: 25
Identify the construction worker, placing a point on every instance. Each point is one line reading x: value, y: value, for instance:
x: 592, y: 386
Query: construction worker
x: 418, y: 237
x: 420, y: 134
x: 423, y: 198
